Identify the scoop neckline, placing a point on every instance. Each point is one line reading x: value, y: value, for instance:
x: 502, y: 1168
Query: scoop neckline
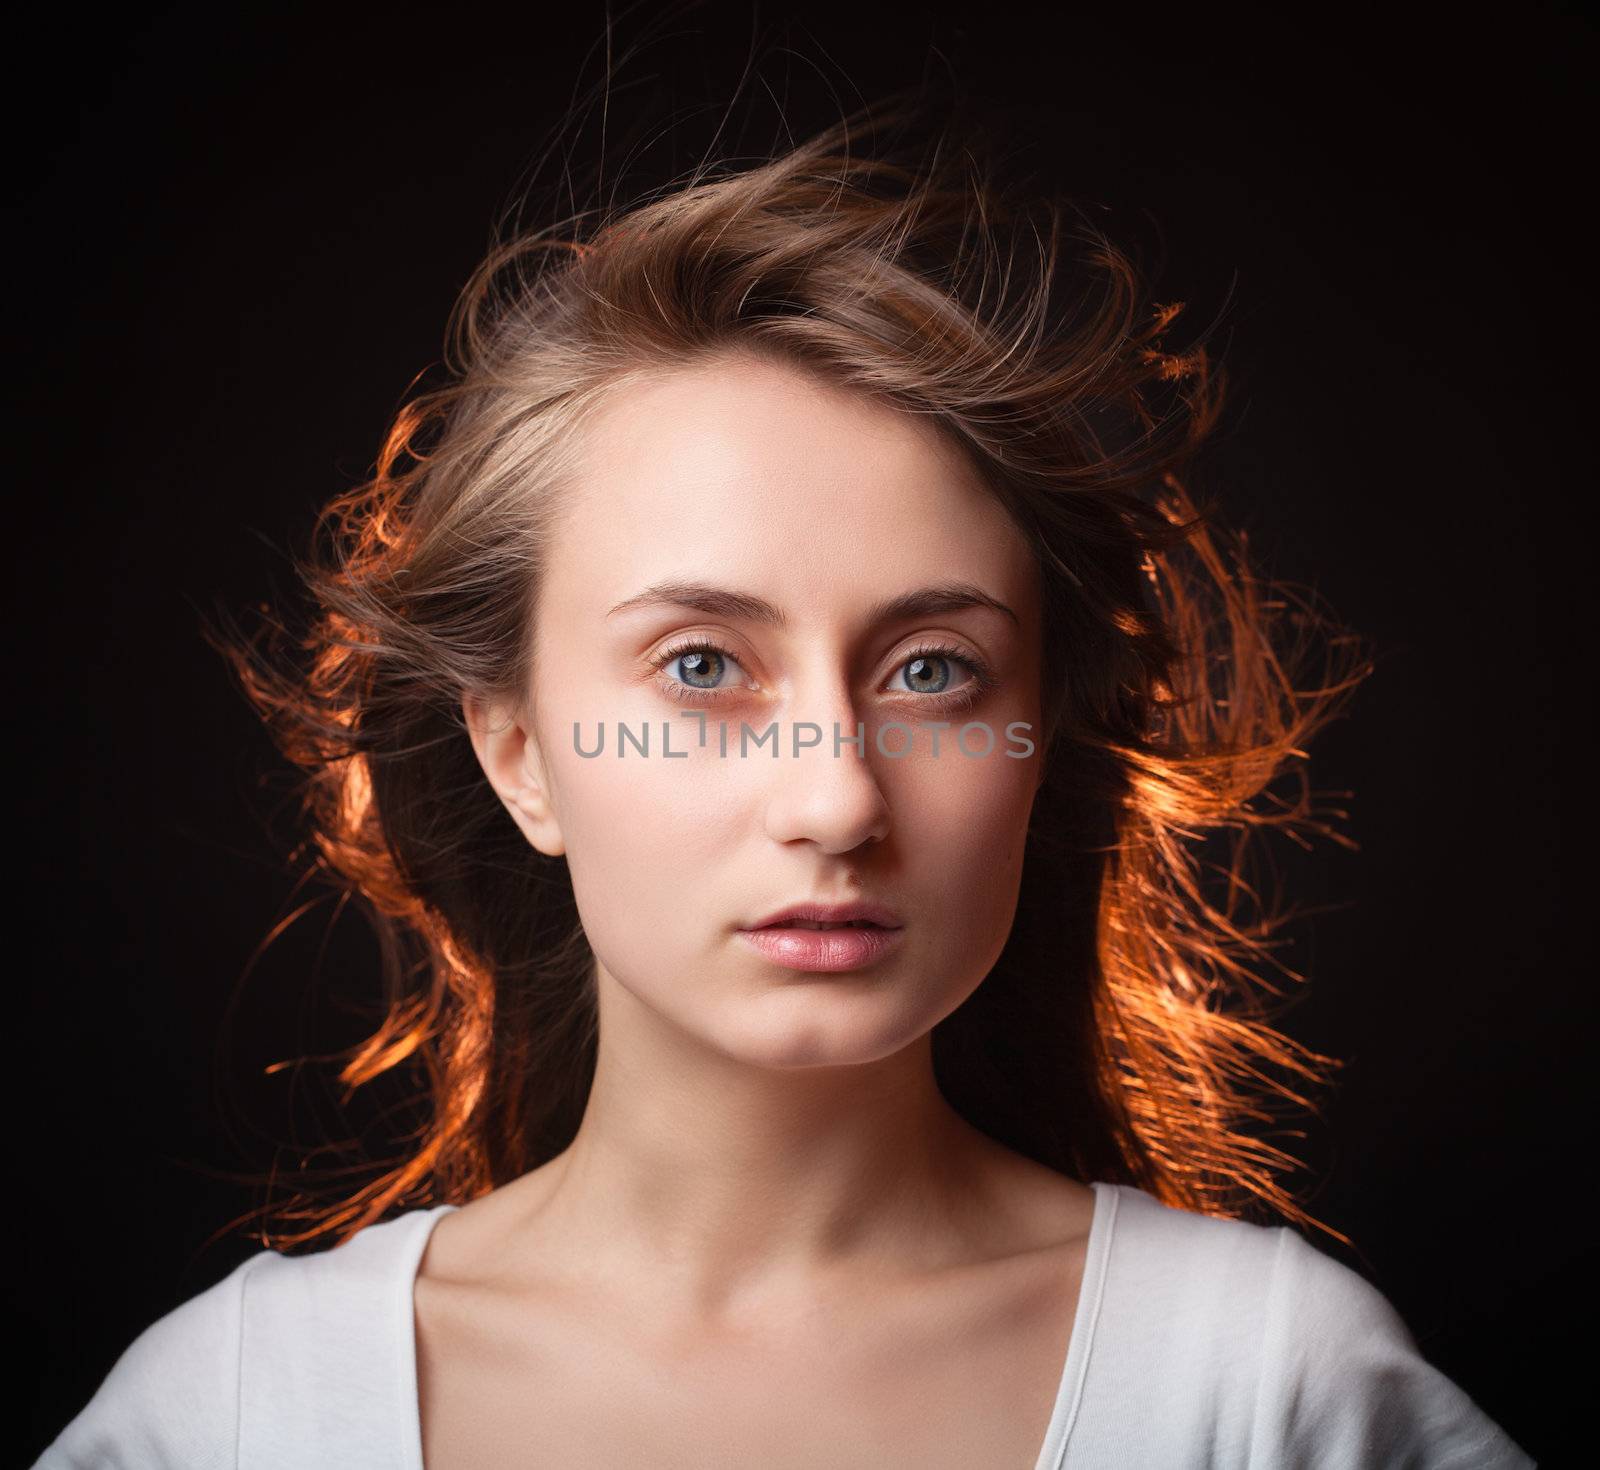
x: 1069, y: 1392
x: 1085, y: 1319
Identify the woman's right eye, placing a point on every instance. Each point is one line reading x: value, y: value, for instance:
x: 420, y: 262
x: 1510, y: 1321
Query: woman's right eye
x: 699, y: 670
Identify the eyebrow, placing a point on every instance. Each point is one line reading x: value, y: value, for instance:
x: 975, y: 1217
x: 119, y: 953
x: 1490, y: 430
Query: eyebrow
x: 724, y: 602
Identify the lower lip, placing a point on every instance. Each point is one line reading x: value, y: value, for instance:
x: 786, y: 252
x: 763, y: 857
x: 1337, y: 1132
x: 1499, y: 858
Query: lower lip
x: 823, y: 949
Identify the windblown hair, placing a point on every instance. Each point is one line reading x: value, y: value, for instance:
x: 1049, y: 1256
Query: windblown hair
x: 1126, y: 1031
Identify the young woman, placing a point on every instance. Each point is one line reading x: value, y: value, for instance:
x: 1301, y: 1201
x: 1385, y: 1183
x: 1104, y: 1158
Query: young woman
x: 772, y: 698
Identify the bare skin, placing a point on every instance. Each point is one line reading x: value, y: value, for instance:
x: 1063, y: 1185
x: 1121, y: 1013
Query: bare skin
x: 861, y: 1366
x: 772, y: 1240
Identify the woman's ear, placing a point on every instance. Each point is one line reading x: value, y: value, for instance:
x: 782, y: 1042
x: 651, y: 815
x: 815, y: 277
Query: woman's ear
x: 508, y: 750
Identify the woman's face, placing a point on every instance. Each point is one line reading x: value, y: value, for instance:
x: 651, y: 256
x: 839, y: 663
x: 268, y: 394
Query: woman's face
x: 743, y: 476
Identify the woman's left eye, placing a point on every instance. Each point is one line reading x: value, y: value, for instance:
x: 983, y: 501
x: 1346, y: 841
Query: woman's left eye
x: 930, y: 671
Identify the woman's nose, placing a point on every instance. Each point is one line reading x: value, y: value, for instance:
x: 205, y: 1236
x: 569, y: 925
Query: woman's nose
x: 823, y: 788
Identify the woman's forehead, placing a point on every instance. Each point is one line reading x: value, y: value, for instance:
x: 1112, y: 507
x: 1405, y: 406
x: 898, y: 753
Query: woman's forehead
x: 742, y: 472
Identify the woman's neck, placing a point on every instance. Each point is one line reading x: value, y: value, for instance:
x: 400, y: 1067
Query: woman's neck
x: 712, y: 1183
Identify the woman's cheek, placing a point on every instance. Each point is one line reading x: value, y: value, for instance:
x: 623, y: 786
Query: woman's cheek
x: 964, y: 827
x: 647, y: 827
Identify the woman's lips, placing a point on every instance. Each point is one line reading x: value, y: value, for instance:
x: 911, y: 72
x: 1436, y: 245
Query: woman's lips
x: 834, y: 949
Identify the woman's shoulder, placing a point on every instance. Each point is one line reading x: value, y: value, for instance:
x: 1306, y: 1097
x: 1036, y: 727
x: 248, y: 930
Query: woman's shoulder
x: 1268, y: 1277
x: 171, y: 1397
x: 279, y: 1336
x: 1283, y: 1351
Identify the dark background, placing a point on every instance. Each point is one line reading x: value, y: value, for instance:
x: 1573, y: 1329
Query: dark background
x: 240, y: 239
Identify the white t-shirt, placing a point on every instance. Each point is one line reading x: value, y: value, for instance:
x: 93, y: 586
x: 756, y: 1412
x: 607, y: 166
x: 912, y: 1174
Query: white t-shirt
x: 1197, y: 1342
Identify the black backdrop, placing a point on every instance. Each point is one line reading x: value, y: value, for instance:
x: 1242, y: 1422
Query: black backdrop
x: 240, y: 237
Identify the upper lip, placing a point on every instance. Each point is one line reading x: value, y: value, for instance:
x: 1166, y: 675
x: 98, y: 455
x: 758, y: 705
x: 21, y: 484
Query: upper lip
x: 831, y: 913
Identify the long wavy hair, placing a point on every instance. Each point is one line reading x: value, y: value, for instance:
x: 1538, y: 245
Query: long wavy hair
x: 1126, y: 1031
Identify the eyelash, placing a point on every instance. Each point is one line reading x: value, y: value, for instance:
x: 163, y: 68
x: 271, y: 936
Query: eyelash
x: 981, y: 682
